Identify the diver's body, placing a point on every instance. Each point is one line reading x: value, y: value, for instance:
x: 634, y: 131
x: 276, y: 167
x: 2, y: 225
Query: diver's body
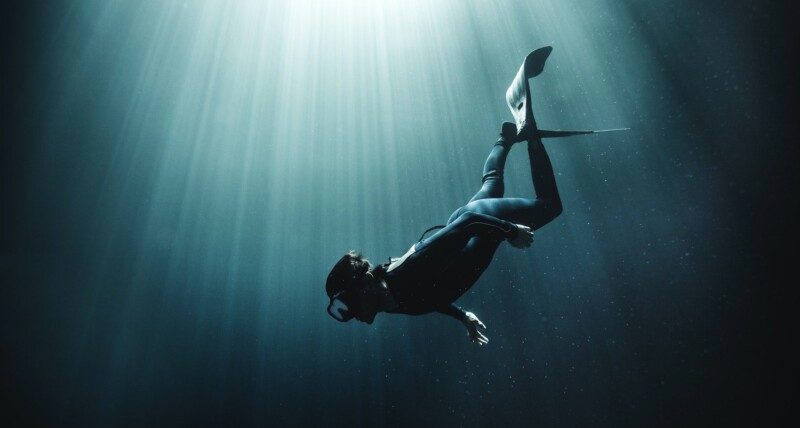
x: 439, y: 269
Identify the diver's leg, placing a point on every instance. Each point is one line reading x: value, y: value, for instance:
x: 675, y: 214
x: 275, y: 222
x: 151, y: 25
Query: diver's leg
x: 544, y: 181
x: 493, y: 186
x: 534, y: 213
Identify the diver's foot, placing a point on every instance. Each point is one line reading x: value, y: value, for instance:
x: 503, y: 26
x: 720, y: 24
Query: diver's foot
x: 527, y: 133
x: 508, y: 133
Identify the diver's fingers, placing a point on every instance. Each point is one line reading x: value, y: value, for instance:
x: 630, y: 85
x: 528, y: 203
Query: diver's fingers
x: 523, y: 239
x: 481, y: 325
x: 477, y: 338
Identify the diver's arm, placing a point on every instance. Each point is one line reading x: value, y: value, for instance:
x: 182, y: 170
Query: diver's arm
x: 518, y: 235
x: 470, y: 321
x: 487, y: 225
x: 455, y: 236
x: 453, y: 311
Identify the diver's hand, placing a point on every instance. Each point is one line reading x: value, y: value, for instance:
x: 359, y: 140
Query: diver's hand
x: 524, y: 237
x: 473, y: 324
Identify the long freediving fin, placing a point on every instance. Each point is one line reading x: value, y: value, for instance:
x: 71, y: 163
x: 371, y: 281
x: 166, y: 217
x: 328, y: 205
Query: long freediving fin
x: 518, y: 95
x: 518, y: 98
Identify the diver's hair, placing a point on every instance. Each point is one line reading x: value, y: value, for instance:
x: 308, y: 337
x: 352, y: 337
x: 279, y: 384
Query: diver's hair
x: 347, y: 272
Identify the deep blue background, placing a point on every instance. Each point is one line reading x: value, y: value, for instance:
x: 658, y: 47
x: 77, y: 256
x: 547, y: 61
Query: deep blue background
x: 657, y: 340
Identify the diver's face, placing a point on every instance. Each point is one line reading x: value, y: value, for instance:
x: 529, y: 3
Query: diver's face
x: 361, y: 304
x: 346, y: 306
x: 343, y: 306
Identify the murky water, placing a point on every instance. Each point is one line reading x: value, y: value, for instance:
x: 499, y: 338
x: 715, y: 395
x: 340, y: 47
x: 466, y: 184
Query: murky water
x: 184, y: 174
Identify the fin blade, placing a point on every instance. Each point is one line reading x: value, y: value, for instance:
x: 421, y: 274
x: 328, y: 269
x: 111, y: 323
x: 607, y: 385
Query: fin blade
x: 534, y: 62
x: 518, y: 95
x: 544, y: 133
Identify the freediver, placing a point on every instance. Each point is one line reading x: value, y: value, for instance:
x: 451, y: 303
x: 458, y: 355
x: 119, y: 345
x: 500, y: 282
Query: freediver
x: 437, y: 270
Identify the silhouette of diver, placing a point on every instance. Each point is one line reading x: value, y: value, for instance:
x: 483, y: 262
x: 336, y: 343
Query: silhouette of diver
x: 437, y: 270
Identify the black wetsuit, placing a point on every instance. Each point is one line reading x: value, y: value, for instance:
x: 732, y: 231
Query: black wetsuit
x: 446, y: 264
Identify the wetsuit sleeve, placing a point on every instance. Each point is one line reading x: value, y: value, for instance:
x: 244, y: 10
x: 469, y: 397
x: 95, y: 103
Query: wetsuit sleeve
x: 471, y: 224
x: 453, y: 311
x: 482, y: 224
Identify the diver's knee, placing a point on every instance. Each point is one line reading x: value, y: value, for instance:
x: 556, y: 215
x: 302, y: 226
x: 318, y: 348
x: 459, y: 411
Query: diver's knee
x: 555, y: 208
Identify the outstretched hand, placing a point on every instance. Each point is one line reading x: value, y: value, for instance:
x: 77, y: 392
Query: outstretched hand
x: 524, y: 237
x: 473, y: 324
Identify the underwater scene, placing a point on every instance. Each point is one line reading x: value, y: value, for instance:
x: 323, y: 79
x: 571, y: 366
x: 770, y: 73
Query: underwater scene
x: 181, y: 176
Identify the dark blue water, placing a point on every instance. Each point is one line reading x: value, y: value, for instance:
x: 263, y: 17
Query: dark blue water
x: 179, y: 177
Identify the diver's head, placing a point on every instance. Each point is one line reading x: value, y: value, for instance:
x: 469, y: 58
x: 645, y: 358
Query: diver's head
x: 346, y: 280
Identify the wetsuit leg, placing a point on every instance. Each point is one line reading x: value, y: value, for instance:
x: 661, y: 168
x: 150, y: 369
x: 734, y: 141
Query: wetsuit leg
x: 531, y: 212
x: 456, y: 257
x: 493, y: 186
x: 544, y: 181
